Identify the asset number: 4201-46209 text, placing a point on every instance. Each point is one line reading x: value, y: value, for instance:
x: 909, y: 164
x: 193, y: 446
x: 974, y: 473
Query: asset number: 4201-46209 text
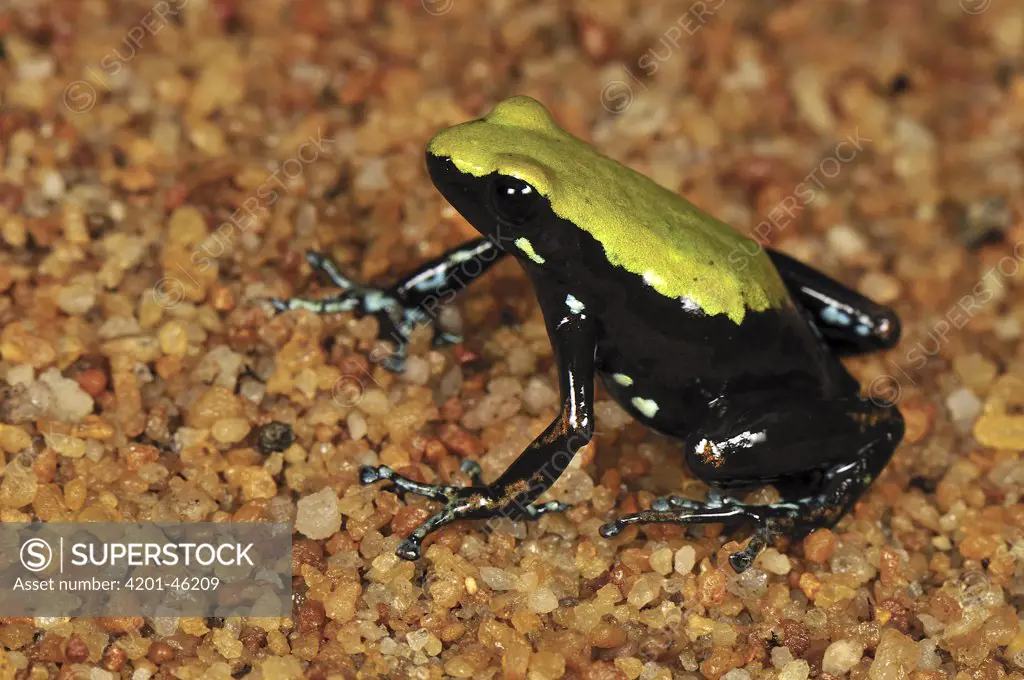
x: 177, y: 583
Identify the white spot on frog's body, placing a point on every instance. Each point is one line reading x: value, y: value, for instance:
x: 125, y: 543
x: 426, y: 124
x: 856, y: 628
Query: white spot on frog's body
x: 747, y: 439
x: 623, y: 379
x: 524, y: 245
x: 648, y: 407
x: 653, y: 279
x: 690, y: 306
x: 565, y: 320
x: 714, y: 453
x: 574, y: 305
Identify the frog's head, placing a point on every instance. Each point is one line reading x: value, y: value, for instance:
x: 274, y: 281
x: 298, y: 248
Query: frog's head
x: 557, y: 204
x: 502, y: 172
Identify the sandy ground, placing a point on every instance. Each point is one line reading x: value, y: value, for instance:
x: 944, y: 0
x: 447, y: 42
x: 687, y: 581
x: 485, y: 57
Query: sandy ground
x: 165, y: 166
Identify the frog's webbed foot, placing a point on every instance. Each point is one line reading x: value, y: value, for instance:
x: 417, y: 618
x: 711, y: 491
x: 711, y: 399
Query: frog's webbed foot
x: 478, y: 501
x: 769, y: 520
x: 534, y: 511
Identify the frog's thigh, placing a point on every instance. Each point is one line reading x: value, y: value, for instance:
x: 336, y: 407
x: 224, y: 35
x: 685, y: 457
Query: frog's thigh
x: 850, y: 323
x: 757, y: 438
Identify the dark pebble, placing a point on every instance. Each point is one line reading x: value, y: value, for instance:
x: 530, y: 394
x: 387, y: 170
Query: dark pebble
x: 275, y: 436
x: 984, y: 222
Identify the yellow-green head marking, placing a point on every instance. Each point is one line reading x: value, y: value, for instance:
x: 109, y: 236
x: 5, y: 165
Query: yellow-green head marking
x: 676, y: 248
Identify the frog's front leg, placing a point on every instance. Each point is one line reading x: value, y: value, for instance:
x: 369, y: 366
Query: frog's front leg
x: 461, y: 502
x: 414, y: 300
x: 822, y: 454
x: 573, y: 338
x: 530, y: 512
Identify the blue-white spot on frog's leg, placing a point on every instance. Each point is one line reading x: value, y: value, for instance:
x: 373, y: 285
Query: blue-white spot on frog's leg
x: 835, y: 316
x: 690, y: 306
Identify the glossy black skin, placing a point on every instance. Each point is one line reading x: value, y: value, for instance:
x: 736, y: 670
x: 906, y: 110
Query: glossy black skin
x: 763, y: 401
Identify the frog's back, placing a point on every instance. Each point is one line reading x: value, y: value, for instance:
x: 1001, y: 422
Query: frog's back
x: 677, y: 249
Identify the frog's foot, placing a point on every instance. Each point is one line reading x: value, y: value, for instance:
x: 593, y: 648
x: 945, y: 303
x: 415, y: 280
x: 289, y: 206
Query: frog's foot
x: 768, y: 519
x: 396, y: 318
x: 392, y: 351
x: 460, y: 502
x: 530, y: 512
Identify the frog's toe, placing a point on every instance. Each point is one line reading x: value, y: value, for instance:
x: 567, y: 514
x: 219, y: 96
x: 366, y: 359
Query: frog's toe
x: 315, y: 259
x: 368, y: 474
x: 321, y: 262
x: 532, y: 512
x: 394, y: 363
x: 612, y: 529
x: 391, y: 359
x: 280, y: 304
x: 759, y: 540
x: 409, y: 549
x: 472, y: 469
x: 618, y: 525
x: 445, y: 339
x: 741, y: 561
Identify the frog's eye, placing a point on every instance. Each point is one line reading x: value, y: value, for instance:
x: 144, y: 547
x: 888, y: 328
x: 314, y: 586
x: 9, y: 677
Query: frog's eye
x: 513, y: 200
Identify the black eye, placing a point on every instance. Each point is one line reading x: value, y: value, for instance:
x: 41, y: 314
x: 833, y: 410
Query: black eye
x: 513, y: 200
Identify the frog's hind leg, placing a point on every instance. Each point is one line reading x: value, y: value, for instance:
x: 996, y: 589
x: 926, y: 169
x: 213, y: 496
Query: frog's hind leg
x: 822, y: 455
x: 770, y: 520
x: 849, y: 322
x: 462, y: 502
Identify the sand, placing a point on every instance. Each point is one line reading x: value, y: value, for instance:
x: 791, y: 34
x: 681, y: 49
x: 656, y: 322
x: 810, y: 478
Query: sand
x: 166, y: 166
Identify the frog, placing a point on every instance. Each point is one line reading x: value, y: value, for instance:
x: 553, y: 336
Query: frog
x: 703, y: 335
